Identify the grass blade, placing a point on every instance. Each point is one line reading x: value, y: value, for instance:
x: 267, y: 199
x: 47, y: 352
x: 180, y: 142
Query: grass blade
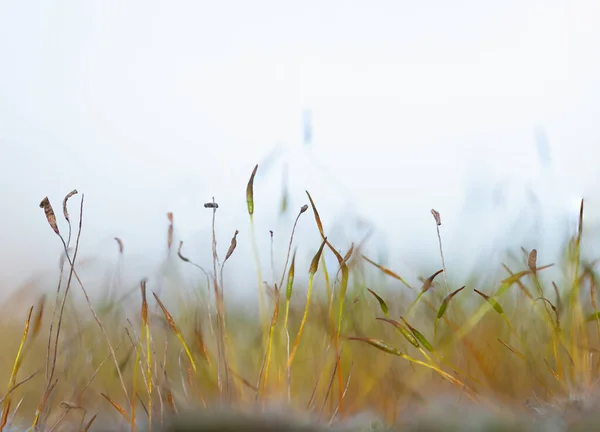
x: 250, y: 191
x: 17, y: 363
x: 379, y: 344
x: 117, y: 407
x: 382, y: 304
x: 419, y: 336
x: 314, y: 266
x: 173, y: 326
x: 289, y: 289
x: 250, y: 204
x: 407, y: 335
x: 442, y: 309
x: 388, y: 272
x: 491, y: 301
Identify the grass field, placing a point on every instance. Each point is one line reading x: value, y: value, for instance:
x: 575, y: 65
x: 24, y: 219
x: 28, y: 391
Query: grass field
x: 342, y: 351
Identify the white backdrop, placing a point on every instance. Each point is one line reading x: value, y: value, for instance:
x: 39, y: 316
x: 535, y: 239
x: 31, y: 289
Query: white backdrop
x: 149, y: 107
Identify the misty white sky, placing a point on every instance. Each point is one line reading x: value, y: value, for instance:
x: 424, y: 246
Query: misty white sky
x: 149, y: 107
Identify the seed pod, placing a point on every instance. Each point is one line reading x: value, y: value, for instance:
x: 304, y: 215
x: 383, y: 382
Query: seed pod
x: 429, y: 281
x: 314, y: 265
x: 491, y: 301
x: 532, y: 260
x: 170, y: 231
x: 407, y: 335
x: 382, y: 304
x: 290, y: 279
x: 383, y: 346
x: 422, y: 339
x: 232, y: 246
x: 50, y: 217
x: 250, y: 192
x: 437, y: 217
x: 65, y: 211
x: 444, y: 305
x: 181, y: 257
x: 121, y: 245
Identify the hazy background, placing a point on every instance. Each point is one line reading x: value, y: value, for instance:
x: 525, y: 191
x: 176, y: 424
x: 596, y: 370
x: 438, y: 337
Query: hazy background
x: 485, y: 111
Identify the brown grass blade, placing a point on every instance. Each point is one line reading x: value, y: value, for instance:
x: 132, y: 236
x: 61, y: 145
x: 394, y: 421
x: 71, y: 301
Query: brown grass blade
x: 317, y: 217
x: 171, y: 402
x: 116, y: 406
x: 558, y: 299
x: 45, y: 397
x: 320, y: 226
x: 244, y: 380
x: 522, y: 287
x: 348, y: 254
x: 552, y: 371
x: 146, y: 332
x: 5, y: 414
x: 513, y: 350
x: 200, y: 341
x: 89, y: 424
x: 387, y: 272
x: 173, y: 326
x: 554, y: 309
x: 144, y: 304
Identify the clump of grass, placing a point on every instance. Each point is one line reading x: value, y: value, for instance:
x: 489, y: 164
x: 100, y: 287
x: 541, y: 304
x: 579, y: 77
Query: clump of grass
x: 334, y: 347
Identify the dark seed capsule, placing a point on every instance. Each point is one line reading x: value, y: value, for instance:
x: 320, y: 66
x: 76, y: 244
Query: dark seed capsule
x: 211, y: 205
x: 436, y: 216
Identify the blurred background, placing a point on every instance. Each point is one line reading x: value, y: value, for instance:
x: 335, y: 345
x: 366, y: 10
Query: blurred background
x: 485, y: 111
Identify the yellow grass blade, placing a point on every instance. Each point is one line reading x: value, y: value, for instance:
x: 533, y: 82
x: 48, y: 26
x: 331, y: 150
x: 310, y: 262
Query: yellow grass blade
x: 173, y: 326
x: 314, y: 266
